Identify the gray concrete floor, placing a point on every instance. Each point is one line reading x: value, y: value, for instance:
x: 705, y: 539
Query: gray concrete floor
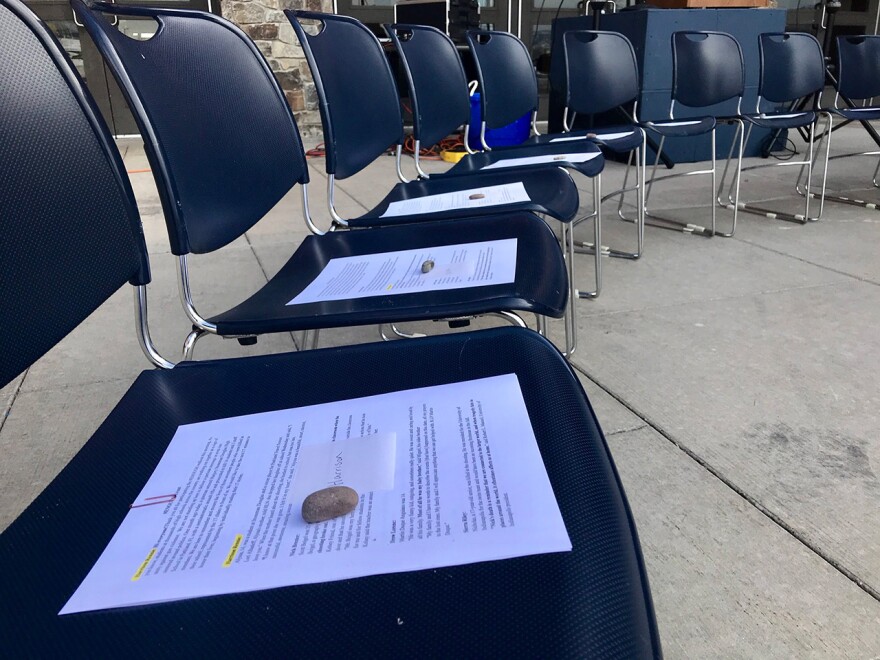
x: 737, y: 380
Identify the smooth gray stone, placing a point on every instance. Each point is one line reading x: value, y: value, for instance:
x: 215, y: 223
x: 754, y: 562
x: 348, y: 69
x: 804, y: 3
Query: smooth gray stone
x: 329, y: 503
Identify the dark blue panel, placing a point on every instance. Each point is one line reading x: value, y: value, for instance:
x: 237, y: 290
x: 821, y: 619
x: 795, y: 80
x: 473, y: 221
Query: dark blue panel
x: 438, y: 87
x: 540, y: 282
x: 71, y: 235
x: 508, y: 82
x: 592, y: 602
x: 360, y: 107
x: 217, y: 129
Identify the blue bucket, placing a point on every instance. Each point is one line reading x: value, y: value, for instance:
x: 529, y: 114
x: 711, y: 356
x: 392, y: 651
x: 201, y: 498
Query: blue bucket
x: 514, y: 133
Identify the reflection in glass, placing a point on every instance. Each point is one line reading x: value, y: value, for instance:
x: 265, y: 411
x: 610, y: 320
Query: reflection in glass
x: 67, y: 34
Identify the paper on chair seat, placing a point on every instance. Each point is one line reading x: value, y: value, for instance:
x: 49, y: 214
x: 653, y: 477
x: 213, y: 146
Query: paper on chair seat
x: 392, y: 273
x: 542, y: 160
x: 216, y: 516
x: 600, y: 136
x: 508, y: 193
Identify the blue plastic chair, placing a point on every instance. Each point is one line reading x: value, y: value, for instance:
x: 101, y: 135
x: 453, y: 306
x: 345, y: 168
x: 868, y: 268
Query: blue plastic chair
x: 509, y: 89
x: 857, y: 88
x: 438, y: 92
x: 71, y: 237
x: 792, y: 71
x: 224, y: 152
x: 707, y: 70
x: 360, y: 115
x: 602, y: 74
x: 361, y: 118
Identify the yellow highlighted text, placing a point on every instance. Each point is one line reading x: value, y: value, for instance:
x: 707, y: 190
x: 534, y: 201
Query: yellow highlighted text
x: 236, y: 544
x: 140, y: 571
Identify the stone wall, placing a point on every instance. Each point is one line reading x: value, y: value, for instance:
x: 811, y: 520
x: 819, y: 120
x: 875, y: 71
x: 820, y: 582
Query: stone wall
x: 265, y: 23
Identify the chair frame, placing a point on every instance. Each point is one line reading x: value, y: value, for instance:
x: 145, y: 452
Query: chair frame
x: 837, y: 110
x: 601, y: 584
x: 202, y: 326
x: 809, y: 159
x: 735, y: 119
x: 297, y: 18
x: 570, y: 246
x: 569, y: 115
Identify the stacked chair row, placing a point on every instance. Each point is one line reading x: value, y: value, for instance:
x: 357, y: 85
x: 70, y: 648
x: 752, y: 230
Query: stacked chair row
x: 361, y: 116
x: 602, y: 75
x: 708, y: 82
x: 72, y: 236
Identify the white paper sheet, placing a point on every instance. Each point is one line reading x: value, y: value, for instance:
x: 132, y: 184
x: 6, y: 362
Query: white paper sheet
x: 541, y: 160
x: 364, y: 464
x: 392, y: 273
x: 216, y: 517
x: 686, y: 122
x: 605, y: 136
x: 473, y: 198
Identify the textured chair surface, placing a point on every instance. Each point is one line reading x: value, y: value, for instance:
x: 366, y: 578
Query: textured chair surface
x: 591, y: 602
x: 71, y: 234
x: 792, y: 66
x: 436, y: 78
x: 601, y: 71
x: 508, y: 84
x: 858, y: 66
x: 550, y: 189
x: 707, y: 68
x: 220, y: 136
x: 540, y: 283
x: 357, y: 95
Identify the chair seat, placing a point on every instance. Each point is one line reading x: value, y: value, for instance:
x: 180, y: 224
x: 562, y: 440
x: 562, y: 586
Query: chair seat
x: 480, y: 161
x: 859, y: 114
x: 619, y: 139
x: 551, y: 191
x: 782, y: 119
x: 590, y: 602
x: 681, y: 127
x: 540, y: 284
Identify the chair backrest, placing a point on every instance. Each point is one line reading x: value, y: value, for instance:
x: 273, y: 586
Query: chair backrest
x: 858, y: 66
x: 707, y: 68
x: 437, y: 82
x: 601, y: 71
x: 792, y: 66
x: 357, y: 95
x: 70, y: 234
x: 508, y: 84
x: 217, y: 129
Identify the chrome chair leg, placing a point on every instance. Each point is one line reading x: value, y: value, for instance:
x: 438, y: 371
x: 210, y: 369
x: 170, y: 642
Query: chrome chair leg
x: 852, y: 201
x: 541, y: 323
x: 189, y: 344
x: 597, y: 240
x: 512, y: 318
x: 667, y: 223
x: 739, y: 139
